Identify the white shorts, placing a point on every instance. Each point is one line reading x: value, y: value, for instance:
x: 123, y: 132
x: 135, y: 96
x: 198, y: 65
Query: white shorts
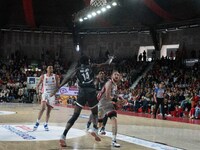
x: 105, y: 109
x: 101, y: 113
x: 49, y: 100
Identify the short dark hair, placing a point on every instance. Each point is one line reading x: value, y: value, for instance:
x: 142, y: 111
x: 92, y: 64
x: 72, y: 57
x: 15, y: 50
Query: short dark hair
x: 114, y: 70
x: 84, y: 60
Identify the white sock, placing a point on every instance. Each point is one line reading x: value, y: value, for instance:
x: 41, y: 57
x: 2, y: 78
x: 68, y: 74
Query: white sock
x: 114, y: 138
x: 38, y: 121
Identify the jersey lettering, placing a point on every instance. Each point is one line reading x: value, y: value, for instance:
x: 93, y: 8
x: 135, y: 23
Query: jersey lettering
x: 86, y: 76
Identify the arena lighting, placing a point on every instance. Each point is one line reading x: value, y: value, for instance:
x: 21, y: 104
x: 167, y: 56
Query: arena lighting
x: 77, y: 48
x: 108, y: 6
x: 98, y: 11
x: 194, y: 25
x: 85, y: 18
x: 93, y: 11
x: 89, y: 16
x: 94, y: 14
x: 114, y: 4
x: 103, y: 9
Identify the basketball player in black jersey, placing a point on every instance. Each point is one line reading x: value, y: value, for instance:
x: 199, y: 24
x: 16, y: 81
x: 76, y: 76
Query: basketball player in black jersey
x: 87, y: 93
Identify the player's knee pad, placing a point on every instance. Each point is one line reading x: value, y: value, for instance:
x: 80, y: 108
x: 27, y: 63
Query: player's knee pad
x: 112, y: 114
x: 74, y: 118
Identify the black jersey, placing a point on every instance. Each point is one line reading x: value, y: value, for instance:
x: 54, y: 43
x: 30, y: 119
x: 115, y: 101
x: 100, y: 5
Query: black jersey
x: 100, y: 84
x: 85, y: 76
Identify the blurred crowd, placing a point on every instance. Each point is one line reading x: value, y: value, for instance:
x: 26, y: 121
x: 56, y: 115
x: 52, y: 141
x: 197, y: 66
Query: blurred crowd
x: 182, y: 83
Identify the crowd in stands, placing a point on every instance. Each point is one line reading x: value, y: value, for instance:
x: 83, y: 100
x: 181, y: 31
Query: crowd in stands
x: 13, y: 78
x: 182, y: 84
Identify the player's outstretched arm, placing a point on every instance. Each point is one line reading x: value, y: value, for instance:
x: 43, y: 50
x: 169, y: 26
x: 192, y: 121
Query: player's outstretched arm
x: 108, y: 62
x: 66, y: 79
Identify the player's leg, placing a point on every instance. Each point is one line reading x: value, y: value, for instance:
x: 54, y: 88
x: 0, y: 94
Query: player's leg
x: 93, y: 105
x: 89, y: 122
x: 100, y: 116
x: 94, y: 132
x: 77, y: 111
x: 43, y: 107
x: 49, y: 108
x: 113, y: 116
x: 104, y: 121
x: 50, y: 103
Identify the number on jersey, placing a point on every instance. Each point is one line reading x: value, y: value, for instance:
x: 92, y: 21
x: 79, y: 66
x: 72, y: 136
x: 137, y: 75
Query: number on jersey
x: 86, y: 76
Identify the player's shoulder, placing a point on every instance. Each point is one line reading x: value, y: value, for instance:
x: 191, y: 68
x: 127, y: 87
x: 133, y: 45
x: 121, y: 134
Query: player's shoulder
x: 109, y: 82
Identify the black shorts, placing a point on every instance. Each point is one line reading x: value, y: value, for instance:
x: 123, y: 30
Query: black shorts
x: 87, y: 95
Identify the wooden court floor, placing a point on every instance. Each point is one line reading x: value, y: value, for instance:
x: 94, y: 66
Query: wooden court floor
x: 135, y: 133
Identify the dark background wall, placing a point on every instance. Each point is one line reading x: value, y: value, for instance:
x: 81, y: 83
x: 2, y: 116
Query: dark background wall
x: 32, y: 44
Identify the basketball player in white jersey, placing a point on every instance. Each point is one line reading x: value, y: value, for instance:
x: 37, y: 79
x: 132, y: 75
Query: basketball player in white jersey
x: 49, y: 83
x: 107, y: 97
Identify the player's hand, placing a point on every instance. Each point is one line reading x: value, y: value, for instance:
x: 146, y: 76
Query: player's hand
x: 110, y: 59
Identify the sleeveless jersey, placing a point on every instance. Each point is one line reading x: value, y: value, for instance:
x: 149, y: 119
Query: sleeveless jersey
x: 85, y: 77
x: 49, y: 84
x: 102, y: 95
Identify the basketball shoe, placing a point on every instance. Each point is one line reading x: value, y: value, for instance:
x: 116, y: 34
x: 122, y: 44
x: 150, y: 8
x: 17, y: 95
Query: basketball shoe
x: 36, y: 126
x: 115, y: 144
x: 62, y: 141
x: 94, y: 133
x: 46, y: 127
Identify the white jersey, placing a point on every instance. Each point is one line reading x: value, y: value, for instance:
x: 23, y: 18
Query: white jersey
x: 49, y: 84
x: 102, y: 95
x: 105, y: 105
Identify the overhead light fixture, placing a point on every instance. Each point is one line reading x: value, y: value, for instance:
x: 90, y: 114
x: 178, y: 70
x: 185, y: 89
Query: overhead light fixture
x: 98, y: 11
x: 94, y: 14
x: 90, y: 11
x: 103, y: 9
x: 77, y: 48
x: 108, y: 6
x: 114, y: 4
x: 89, y: 16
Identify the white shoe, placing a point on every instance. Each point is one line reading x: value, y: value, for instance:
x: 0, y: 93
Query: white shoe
x: 36, y: 126
x: 102, y: 131
x: 46, y: 127
x: 115, y: 144
x: 62, y: 141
